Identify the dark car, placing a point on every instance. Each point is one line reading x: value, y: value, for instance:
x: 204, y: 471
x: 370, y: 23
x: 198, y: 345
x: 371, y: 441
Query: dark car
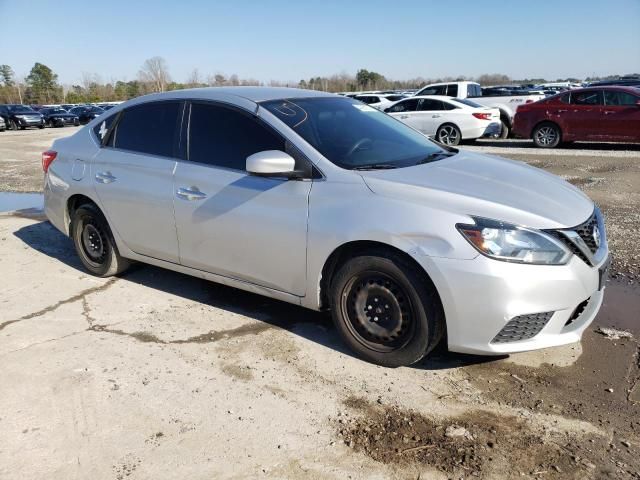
x: 86, y: 113
x: 606, y: 114
x: 68, y: 106
x: 629, y: 81
x: 106, y: 107
x: 19, y: 117
x: 59, y: 117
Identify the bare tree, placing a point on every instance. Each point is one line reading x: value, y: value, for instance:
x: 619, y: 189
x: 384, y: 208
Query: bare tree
x: 194, y: 79
x: 155, y: 72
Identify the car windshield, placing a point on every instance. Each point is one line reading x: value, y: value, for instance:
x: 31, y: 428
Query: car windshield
x: 57, y: 110
x: 21, y: 109
x: 95, y: 110
x: 469, y: 103
x: 353, y: 135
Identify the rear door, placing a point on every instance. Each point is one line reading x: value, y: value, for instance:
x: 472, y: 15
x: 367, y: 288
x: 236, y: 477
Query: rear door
x: 231, y: 223
x: 432, y: 114
x: 620, y: 116
x: 582, y: 121
x: 133, y: 176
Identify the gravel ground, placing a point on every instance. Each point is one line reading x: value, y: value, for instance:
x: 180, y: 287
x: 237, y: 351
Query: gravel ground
x: 159, y: 375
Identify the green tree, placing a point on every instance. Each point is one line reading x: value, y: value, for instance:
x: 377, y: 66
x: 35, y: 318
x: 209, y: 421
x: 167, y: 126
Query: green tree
x: 42, y: 82
x: 6, y: 76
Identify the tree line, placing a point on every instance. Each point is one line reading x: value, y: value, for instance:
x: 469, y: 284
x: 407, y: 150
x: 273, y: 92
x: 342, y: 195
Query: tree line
x: 41, y: 85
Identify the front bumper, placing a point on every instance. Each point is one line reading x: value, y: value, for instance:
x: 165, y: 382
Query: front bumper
x: 482, y: 295
x: 30, y: 122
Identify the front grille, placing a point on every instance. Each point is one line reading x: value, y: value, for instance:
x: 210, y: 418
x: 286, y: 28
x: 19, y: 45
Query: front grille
x: 523, y: 327
x: 585, y: 231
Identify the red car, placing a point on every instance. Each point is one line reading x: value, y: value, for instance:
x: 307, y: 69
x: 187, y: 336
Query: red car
x: 600, y: 114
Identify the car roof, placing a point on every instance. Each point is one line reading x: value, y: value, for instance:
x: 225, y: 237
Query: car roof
x: 254, y: 94
x: 621, y: 88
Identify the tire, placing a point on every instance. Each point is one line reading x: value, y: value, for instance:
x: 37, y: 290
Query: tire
x: 504, y: 131
x: 41, y: 126
x: 408, y: 321
x: 547, y: 135
x: 94, y: 242
x: 13, y: 125
x: 448, y: 134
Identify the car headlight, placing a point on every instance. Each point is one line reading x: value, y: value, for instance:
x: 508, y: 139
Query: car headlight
x: 512, y: 243
x: 21, y: 117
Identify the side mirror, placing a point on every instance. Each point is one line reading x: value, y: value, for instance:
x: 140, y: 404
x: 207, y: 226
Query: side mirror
x: 272, y: 163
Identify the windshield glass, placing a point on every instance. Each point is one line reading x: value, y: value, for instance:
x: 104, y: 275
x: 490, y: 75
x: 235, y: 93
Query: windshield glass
x: 57, y: 110
x: 353, y: 135
x: 21, y: 109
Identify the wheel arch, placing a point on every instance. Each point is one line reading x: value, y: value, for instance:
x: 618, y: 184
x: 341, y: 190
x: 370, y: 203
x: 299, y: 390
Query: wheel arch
x: 357, y: 247
x: 73, y: 203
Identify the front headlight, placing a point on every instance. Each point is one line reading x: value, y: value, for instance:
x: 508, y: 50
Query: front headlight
x: 512, y: 243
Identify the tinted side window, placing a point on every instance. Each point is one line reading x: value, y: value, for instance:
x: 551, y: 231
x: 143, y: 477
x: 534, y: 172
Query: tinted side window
x: 429, y: 105
x: 406, y: 106
x: 225, y: 137
x: 151, y: 128
x: 452, y: 90
x: 591, y: 97
x: 103, y: 127
x: 565, y: 98
x: 612, y: 97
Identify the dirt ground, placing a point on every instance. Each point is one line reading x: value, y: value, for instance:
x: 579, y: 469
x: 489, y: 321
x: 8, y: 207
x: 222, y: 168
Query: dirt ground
x: 160, y: 375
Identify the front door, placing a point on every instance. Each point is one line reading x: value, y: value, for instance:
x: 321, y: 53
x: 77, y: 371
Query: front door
x: 229, y: 222
x: 621, y: 116
x: 584, y: 115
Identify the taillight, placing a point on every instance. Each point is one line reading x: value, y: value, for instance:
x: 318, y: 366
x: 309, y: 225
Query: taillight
x: 482, y: 116
x: 47, y: 159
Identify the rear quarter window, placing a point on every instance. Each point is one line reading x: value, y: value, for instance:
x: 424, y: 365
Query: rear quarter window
x: 102, y: 129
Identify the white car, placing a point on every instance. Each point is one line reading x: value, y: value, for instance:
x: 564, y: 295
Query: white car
x: 379, y: 100
x: 327, y: 203
x: 448, y: 120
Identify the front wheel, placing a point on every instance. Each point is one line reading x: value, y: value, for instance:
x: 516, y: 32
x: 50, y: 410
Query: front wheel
x: 547, y: 135
x: 94, y: 242
x: 13, y: 125
x: 386, y: 309
x: 449, y: 135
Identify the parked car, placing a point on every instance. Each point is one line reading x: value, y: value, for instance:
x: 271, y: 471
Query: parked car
x: 606, y: 114
x: 3, y: 125
x: 448, y: 120
x: 379, y: 100
x: 507, y: 104
x: 628, y: 81
x: 59, y: 117
x: 68, y: 106
x: 401, y: 238
x: 86, y: 113
x: 19, y: 117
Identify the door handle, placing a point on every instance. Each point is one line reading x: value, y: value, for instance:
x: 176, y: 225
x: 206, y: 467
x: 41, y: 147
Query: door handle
x: 435, y: 116
x: 404, y: 116
x: 561, y: 111
x: 190, y: 193
x: 609, y: 112
x: 105, y: 177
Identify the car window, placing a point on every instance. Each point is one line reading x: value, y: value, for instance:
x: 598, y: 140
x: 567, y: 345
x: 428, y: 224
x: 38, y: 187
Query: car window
x: 590, y: 97
x: 612, y: 97
x: 565, y: 98
x: 405, y: 106
x: 102, y: 129
x: 225, y: 137
x: 429, y: 105
x: 469, y: 103
x: 452, y: 90
x: 149, y: 128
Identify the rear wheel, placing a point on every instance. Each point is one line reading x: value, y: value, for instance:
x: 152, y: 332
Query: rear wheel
x: 94, y: 242
x: 547, y: 135
x: 505, y: 130
x: 448, y: 134
x: 13, y: 125
x: 385, y: 309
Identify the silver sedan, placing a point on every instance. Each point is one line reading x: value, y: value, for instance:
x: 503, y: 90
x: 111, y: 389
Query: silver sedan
x: 325, y: 202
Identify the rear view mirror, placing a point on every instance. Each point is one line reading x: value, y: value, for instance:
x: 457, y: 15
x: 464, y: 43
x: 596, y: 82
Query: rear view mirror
x: 271, y: 163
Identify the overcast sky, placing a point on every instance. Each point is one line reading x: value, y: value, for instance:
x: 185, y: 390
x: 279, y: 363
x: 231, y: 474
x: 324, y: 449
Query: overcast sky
x: 290, y: 40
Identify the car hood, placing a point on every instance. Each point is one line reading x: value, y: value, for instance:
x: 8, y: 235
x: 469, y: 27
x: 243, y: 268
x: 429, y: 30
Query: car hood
x: 487, y: 186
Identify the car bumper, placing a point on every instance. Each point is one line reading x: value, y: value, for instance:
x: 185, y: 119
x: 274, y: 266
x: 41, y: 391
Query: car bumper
x: 488, y: 130
x: 30, y: 123
x: 481, y: 296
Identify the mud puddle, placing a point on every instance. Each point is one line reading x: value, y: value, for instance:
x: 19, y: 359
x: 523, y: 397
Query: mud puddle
x: 480, y: 444
x: 621, y: 307
x: 10, y: 201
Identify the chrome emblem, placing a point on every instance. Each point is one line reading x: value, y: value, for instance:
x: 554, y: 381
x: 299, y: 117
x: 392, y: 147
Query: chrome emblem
x: 596, y: 236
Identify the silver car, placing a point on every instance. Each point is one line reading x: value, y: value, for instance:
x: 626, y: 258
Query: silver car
x: 325, y: 202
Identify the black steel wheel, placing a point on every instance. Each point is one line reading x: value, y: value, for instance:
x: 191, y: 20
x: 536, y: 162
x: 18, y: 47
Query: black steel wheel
x: 94, y: 242
x: 386, y: 308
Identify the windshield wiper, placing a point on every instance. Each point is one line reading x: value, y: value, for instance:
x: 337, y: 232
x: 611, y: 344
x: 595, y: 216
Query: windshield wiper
x: 375, y: 166
x: 432, y: 157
